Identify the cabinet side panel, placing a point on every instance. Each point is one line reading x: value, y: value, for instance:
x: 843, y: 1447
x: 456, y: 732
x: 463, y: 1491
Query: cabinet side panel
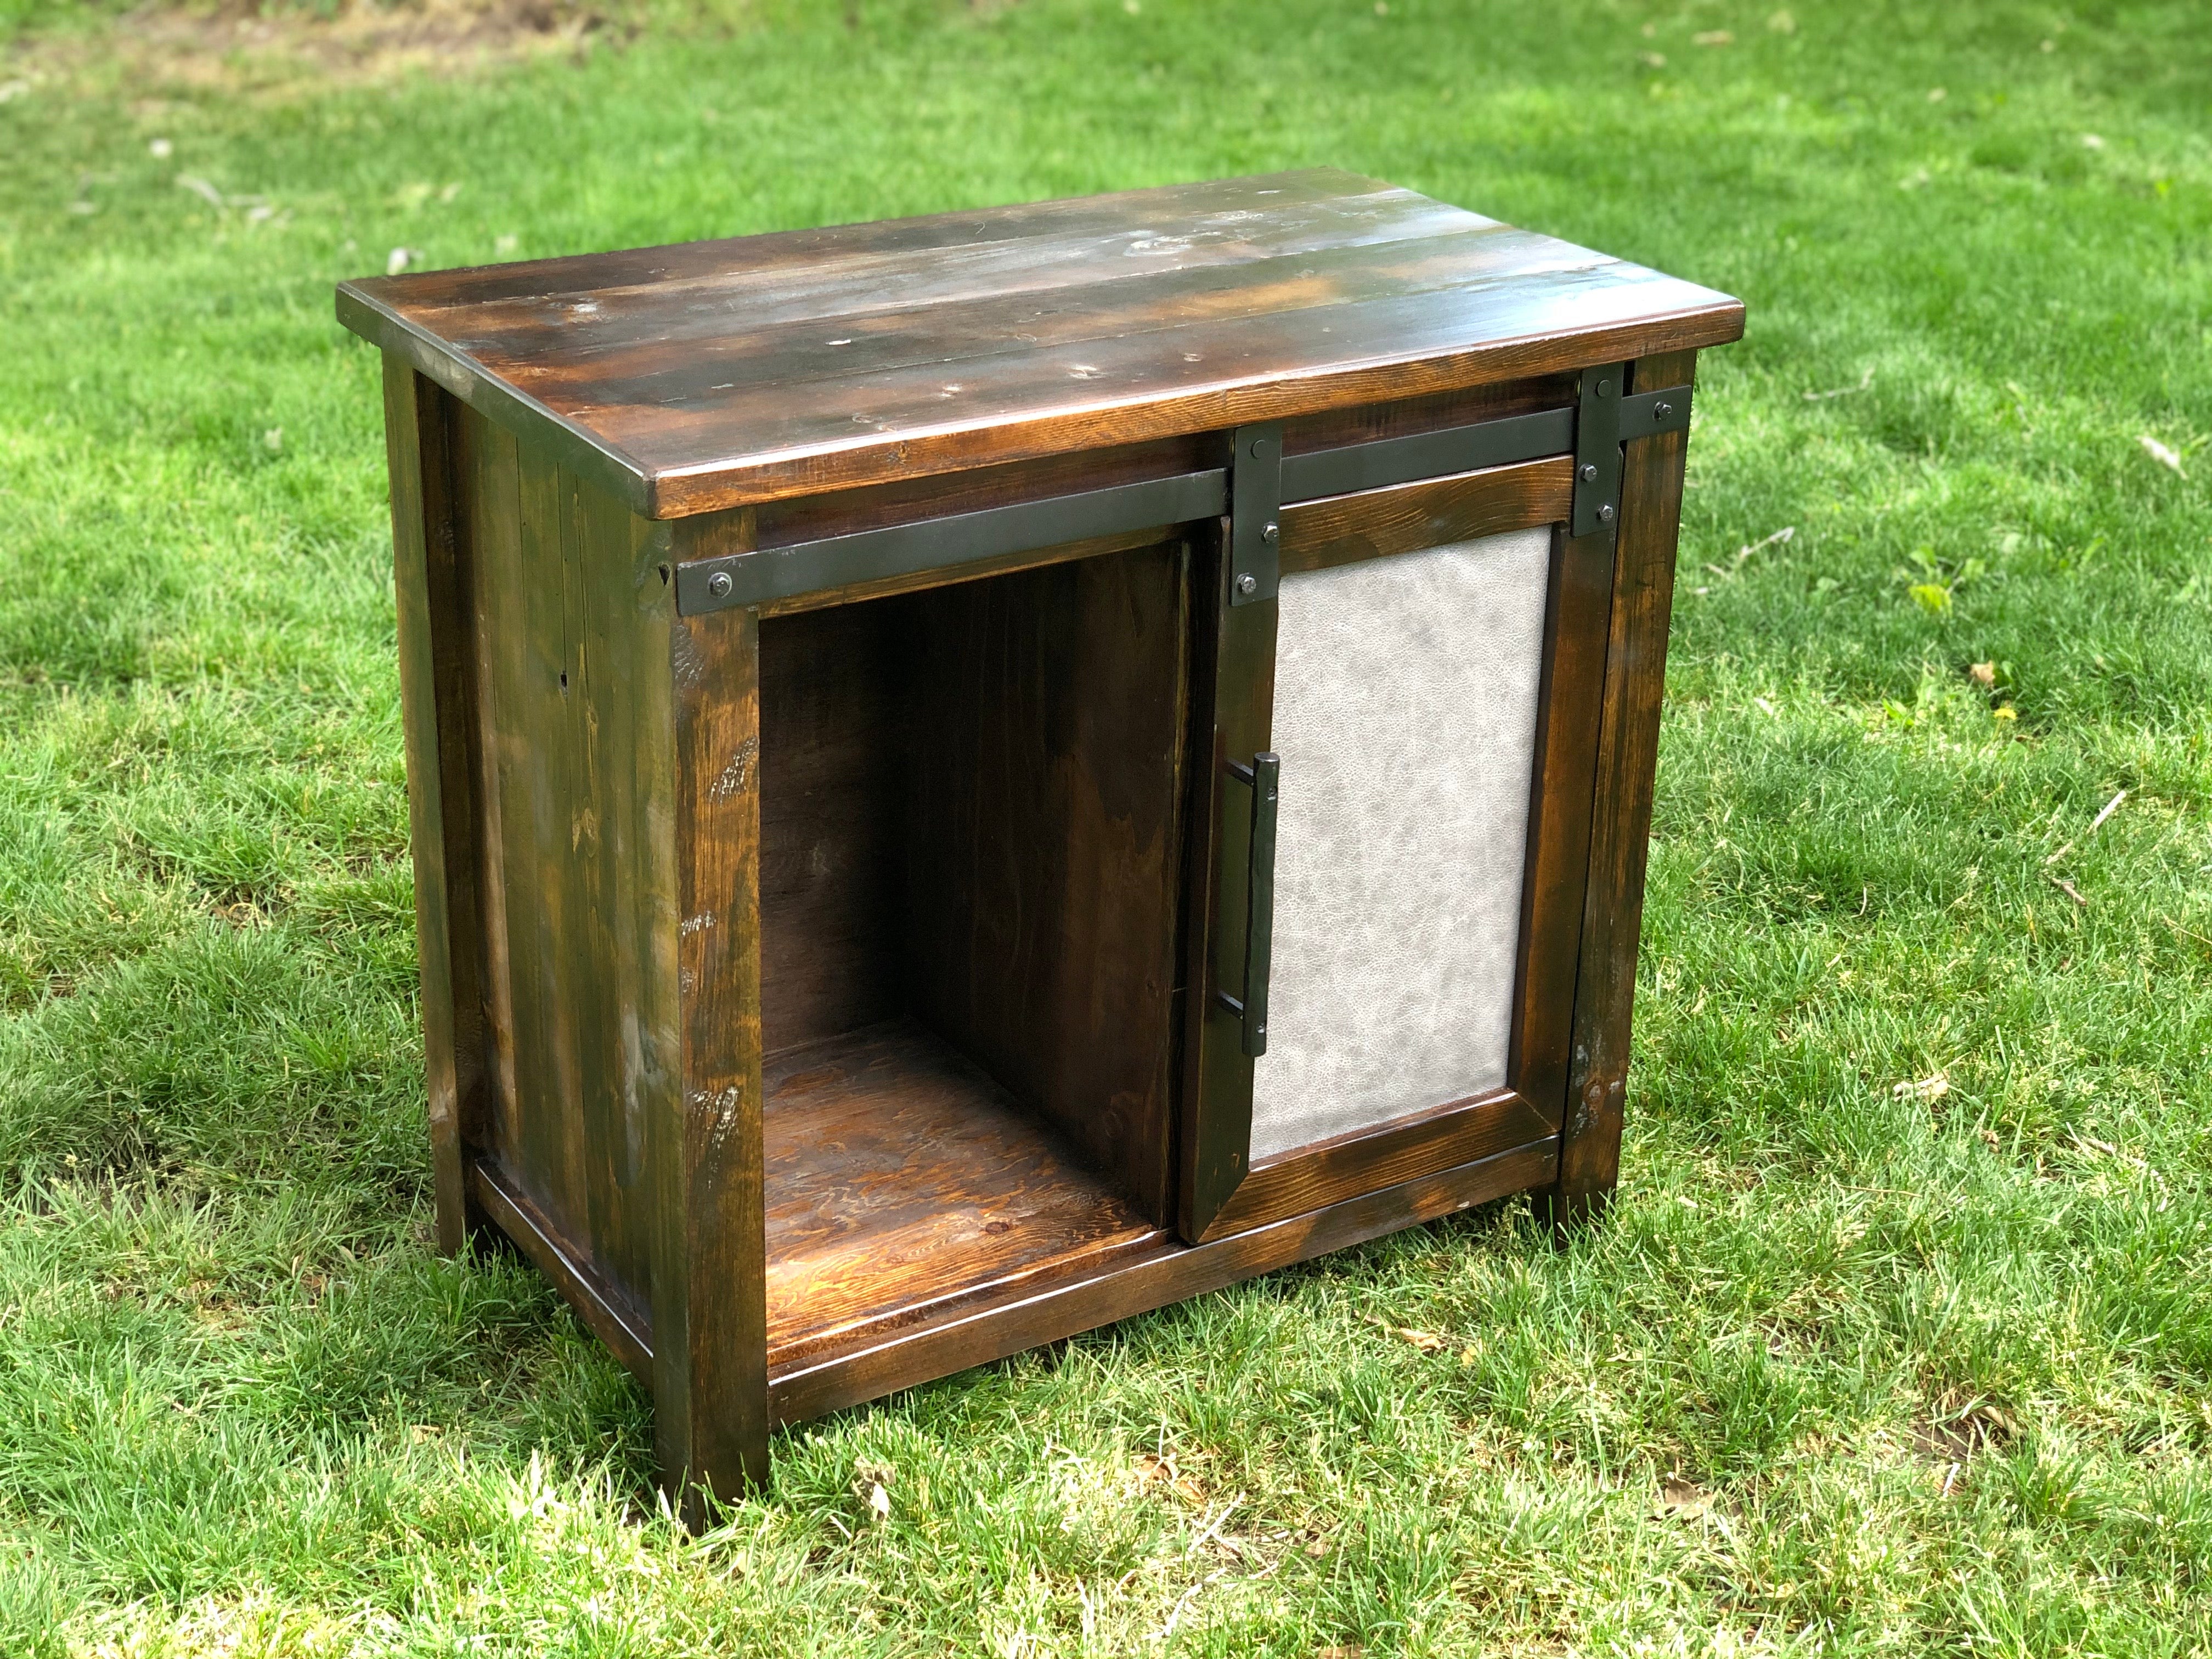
x: 1406, y: 714
x: 574, y: 780
x: 625, y: 844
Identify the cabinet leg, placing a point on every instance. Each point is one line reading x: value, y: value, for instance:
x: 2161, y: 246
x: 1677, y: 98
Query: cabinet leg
x: 708, y: 1241
x: 1591, y: 1138
x: 437, y: 703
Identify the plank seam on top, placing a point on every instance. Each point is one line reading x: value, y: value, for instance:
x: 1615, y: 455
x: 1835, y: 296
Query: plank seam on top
x: 1389, y: 279
x: 1040, y: 258
x: 517, y: 371
x: 1019, y: 402
x: 802, y: 243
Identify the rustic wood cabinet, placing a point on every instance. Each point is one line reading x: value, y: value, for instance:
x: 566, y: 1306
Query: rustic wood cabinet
x: 976, y: 775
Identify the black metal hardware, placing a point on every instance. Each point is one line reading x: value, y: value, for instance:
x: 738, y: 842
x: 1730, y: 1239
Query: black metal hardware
x: 779, y: 572
x: 1597, y: 449
x: 1647, y: 414
x: 1255, y: 507
x: 1265, y: 775
x: 1354, y: 467
x: 1252, y: 492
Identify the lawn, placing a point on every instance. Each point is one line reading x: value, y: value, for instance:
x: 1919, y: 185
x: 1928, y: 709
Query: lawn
x: 1899, y: 1337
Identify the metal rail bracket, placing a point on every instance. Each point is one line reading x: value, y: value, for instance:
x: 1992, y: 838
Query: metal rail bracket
x: 1252, y: 491
x: 1256, y: 510
x: 1597, y: 449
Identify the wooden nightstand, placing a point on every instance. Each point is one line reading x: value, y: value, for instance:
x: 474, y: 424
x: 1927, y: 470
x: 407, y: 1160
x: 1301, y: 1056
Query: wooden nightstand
x: 976, y: 775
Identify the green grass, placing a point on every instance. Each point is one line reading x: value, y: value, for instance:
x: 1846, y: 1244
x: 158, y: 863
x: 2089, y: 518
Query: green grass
x: 245, y: 1410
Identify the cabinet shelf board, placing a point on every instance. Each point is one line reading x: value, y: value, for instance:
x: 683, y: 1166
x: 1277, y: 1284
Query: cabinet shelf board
x: 901, y: 1180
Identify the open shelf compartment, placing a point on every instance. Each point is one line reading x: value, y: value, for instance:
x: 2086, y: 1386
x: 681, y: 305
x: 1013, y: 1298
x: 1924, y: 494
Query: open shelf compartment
x: 971, y: 855
x: 902, y: 1179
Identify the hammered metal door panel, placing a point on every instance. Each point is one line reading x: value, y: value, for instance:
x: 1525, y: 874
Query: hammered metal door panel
x: 1406, y: 715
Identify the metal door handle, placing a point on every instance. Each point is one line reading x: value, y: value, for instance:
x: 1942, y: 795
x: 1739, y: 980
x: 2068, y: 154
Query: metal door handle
x: 1265, y: 775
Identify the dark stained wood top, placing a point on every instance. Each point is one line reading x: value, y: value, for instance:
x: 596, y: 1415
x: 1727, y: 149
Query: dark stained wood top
x: 712, y: 374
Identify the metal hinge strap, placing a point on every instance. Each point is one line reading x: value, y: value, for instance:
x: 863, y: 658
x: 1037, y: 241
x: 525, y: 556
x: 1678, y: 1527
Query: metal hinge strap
x: 1255, y: 510
x: 1597, y: 449
x: 1606, y: 418
x: 1648, y: 414
x: 1258, y: 482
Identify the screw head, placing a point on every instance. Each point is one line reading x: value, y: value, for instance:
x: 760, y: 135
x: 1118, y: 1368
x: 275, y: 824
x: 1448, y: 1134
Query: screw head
x: 1662, y: 411
x: 1259, y: 445
x: 1604, y: 514
x: 719, y: 584
x: 1590, y: 473
x: 1271, y: 533
x: 1605, y: 388
x: 1247, y: 585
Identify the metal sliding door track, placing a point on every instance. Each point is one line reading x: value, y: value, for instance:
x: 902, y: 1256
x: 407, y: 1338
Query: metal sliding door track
x: 947, y: 542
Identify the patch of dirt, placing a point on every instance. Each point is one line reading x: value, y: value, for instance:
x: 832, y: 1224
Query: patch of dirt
x: 251, y: 45
x: 1957, y: 1431
x: 1954, y: 1435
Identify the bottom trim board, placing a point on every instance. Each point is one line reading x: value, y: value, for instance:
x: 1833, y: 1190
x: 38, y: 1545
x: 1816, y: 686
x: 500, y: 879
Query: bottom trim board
x: 1027, y: 1317
x: 1175, y: 1273
x: 1365, y: 1160
x: 623, y: 1327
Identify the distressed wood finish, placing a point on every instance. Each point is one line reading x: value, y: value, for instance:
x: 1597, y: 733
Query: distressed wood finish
x: 1621, y: 829
x: 709, y: 1267
x: 827, y: 996
x: 1027, y: 1315
x: 1406, y: 518
x: 571, y: 749
x: 1579, y: 610
x: 1345, y: 1166
x: 902, y: 1180
x: 707, y: 375
x: 1122, y: 1273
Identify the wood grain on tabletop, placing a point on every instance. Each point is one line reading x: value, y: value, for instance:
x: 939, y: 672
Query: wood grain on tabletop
x: 710, y: 374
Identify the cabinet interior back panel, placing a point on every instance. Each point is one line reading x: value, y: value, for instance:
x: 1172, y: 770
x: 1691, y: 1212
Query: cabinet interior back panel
x: 1405, y: 693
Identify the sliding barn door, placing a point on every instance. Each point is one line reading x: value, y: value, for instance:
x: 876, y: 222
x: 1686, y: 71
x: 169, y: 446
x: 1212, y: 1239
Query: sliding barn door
x: 1395, y: 839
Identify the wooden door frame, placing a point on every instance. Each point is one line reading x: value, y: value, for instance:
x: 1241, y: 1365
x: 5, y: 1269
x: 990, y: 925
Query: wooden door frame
x: 1621, y: 828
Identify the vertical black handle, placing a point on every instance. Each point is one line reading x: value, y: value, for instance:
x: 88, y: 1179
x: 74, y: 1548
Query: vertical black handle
x: 1265, y: 775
